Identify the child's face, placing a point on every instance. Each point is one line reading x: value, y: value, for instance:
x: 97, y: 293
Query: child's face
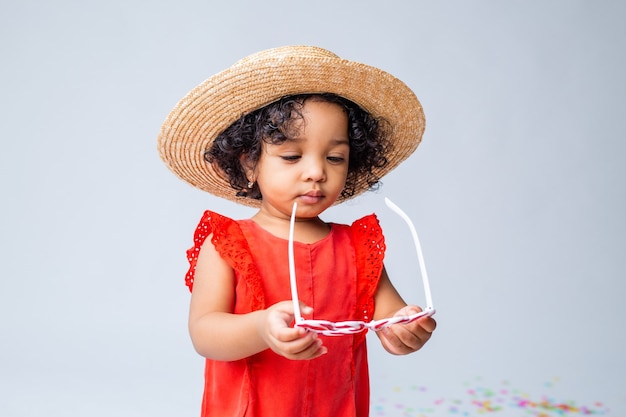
x: 309, y: 169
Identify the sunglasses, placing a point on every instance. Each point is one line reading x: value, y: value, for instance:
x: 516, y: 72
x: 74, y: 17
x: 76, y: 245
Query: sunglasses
x: 330, y: 328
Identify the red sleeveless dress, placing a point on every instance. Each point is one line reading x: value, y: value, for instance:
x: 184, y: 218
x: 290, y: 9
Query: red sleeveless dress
x: 337, y: 276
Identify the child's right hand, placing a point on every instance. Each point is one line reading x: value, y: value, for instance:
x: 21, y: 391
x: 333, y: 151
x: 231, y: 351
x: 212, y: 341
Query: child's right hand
x: 292, y: 343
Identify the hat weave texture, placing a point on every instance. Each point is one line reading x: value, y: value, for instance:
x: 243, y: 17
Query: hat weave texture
x: 267, y: 76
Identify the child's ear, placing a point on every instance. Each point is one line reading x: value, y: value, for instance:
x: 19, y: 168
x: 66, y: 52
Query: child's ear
x: 248, y: 167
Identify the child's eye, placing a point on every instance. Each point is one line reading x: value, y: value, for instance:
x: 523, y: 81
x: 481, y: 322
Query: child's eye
x: 290, y: 158
x: 336, y: 159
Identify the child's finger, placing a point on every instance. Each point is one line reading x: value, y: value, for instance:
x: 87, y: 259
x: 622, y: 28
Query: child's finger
x: 315, y: 349
x: 401, y: 339
x: 413, y: 338
x: 408, y: 310
x: 300, y: 346
x: 291, y: 334
x: 427, y: 323
x: 392, y: 343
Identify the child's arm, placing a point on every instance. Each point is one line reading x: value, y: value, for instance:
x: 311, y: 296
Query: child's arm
x: 219, y: 334
x: 399, y: 339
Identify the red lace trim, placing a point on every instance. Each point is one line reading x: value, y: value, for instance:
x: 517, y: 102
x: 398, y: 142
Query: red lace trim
x: 369, y: 243
x: 231, y: 244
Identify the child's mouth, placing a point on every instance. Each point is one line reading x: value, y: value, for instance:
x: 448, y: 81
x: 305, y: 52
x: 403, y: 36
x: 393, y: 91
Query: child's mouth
x: 311, y: 197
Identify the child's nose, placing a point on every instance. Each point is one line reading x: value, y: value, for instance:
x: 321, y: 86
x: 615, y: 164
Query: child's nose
x: 315, y: 171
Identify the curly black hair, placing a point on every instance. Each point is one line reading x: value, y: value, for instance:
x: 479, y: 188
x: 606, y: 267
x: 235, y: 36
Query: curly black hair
x: 274, y: 124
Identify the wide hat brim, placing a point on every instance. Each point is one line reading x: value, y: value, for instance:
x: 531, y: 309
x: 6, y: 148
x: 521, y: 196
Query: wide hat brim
x: 264, y: 77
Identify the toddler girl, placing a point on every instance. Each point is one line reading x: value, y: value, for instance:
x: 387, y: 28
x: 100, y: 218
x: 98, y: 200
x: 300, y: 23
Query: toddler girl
x: 291, y: 125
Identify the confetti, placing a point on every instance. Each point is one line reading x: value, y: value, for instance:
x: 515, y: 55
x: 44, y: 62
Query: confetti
x: 477, y: 399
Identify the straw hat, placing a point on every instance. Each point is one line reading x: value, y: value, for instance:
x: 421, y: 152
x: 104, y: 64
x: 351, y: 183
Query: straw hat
x: 266, y: 76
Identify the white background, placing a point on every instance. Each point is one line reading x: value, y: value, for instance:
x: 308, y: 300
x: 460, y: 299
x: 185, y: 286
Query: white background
x: 517, y: 192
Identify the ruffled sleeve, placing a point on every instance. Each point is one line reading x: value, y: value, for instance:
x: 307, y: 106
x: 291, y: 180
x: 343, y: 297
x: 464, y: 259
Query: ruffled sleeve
x: 232, y: 246
x: 369, y: 244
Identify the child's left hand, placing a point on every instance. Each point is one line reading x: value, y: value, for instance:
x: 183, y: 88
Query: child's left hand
x: 401, y: 339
